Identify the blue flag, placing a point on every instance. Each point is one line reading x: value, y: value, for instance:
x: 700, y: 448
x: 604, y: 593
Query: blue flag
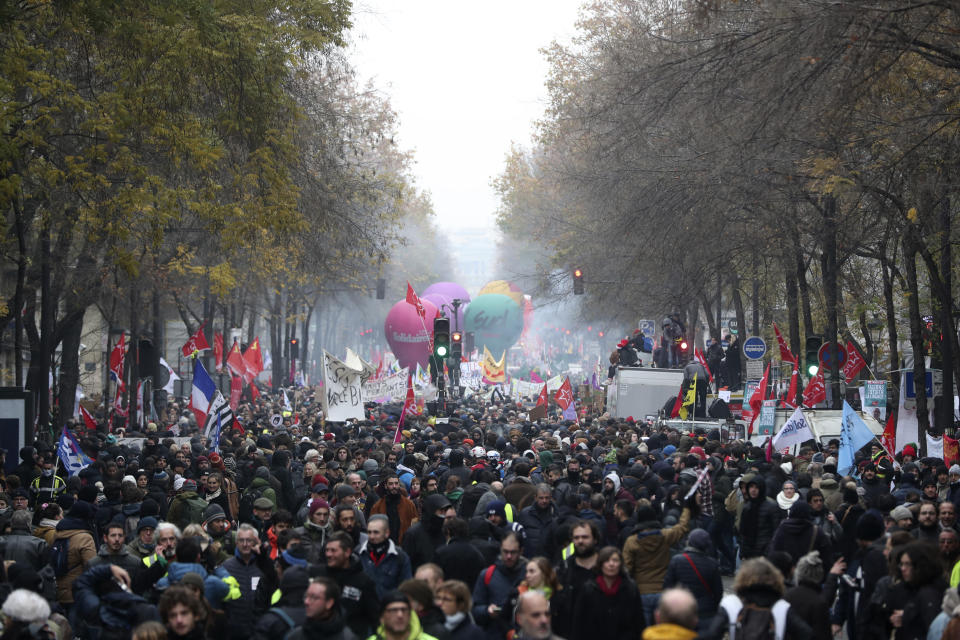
x: 854, y: 434
x: 70, y: 454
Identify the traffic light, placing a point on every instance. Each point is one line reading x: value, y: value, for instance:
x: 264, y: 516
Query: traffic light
x: 456, y: 345
x: 441, y: 337
x: 381, y: 288
x: 812, y: 352
x: 468, y: 342
x: 578, y: 282
x: 294, y: 348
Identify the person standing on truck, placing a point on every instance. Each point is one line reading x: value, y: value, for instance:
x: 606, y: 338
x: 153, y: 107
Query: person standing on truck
x: 731, y: 363
x: 696, y: 373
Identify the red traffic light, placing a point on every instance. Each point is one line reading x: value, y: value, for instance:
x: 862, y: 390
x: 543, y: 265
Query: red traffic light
x: 600, y: 334
x: 456, y: 336
x: 683, y: 345
x: 577, y: 273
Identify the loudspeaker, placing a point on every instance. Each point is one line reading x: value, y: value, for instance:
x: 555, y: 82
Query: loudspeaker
x: 719, y: 410
x: 147, y: 359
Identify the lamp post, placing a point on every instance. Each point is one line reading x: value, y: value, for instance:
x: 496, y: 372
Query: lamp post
x: 875, y: 327
x: 113, y: 336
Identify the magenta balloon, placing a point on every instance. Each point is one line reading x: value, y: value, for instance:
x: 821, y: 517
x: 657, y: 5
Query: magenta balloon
x: 449, y: 289
x: 406, y: 335
x: 438, y: 300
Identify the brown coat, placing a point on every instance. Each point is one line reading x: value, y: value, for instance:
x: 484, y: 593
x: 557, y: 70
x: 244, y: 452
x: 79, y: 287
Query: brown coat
x: 646, y: 556
x: 406, y: 510
x: 82, y: 550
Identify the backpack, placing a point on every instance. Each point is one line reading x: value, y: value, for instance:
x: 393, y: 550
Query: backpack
x: 283, y: 615
x: 59, y: 556
x: 246, y: 502
x: 195, y: 508
x: 756, y: 623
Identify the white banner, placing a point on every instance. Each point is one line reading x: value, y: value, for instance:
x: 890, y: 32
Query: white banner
x: 554, y: 383
x: 471, y: 374
x: 794, y: 431
x: 342, y: 397
x: 387, y: 388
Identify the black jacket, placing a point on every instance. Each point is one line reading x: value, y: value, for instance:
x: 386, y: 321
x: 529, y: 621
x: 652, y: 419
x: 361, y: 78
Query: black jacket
x: 617, y: 617
x: 460, y: 560
x: 333, y: 629
x: 535, y: 523
x: 708, y: 591
x: 423, y: 538
x: 798, y: 537
x: 358, y: 595
x: 758, y: 521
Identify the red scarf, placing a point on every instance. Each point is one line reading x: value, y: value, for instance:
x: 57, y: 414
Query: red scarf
x: 611, y: 590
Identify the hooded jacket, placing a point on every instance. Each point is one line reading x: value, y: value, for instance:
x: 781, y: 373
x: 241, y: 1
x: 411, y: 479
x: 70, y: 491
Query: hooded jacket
x: 423, y: 538
x: 387, y: 572
x: 82, y: 550
x: 415, y: 632
x: 759, y: 519
x: 797, y: 535
x: 647, y: 552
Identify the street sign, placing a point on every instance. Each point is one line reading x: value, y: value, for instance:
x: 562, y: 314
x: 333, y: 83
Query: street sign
x: 754, y: 347
x: 824, y: 355
x: 647, y: 327
x: 732, y: 325
x: 754, y: 369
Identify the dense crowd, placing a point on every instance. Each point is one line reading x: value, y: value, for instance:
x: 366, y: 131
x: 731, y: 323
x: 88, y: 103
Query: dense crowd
x: 485, y: 527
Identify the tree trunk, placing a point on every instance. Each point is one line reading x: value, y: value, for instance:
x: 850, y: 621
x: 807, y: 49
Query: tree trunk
x: 712, y: 326
x: 793, y: 311
x: 741, y: 323
x: 69, y: 366
x: 891, y: 311
x: 916, y: 341
x: 804, y: 288
x: 828, y: 263
x: 19, y: 293
x: 47, y: 318
x: 944, y: 416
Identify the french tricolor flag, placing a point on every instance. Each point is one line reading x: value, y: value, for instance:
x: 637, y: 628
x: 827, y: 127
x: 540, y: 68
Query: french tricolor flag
x: 204, y: 391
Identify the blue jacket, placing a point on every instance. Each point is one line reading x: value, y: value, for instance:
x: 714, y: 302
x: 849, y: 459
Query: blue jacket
x: 501, y: 585
x: 393, y: 569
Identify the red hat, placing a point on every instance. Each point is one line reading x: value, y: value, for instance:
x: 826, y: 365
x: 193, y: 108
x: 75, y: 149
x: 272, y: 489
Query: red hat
x: 630, y: 419
x: 699, y: 452
x: 318, y: 504
x: 636, y: 331
x: 468, y: 441
x: 328, y: 436
x: 319, y: 477
x: 622, y: 344
x: 910, y: 450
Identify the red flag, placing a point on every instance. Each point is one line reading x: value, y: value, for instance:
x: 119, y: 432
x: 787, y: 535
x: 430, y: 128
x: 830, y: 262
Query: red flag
x: 235, y: 360
x: 854, y: 363
x: 218, y: 350
x: 254, y: 392
x: 757, y: 398
x: 785, y: 354
x: 88, y: 420
x: 564, y: 395
x: 791, y: 399
x: 196, y: 342
x: 951, y: 450
x: 889, y: 437
x: 408, y: 406
x: 118, y: 407
x: 816, y: 390
x: 252, y: 361
x: 542, y: 399
x: 413, y: 299
x: 698, y: 355
x: 236, y: 426
x: 236, y: 390
x: 675, y: 412
x: 116, y: 359
x: 535, y: 378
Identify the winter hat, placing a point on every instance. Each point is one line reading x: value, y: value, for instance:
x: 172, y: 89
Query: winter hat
x: 830, y: 462
x: 870, y: 526
x: 787, y: 467
x: 699, y: 452
x: 345, y: 490
x: 901, y: 513
x: 87, y: 494
x: 82, y: 510
x: 801, y: 510
x: 389, y: 598
x: 612, y: 476
x: 546, y: 459
x: 149, y: 507
x: 178, y: 484
x: 148, y: 522
x: 809, y: 568
x: 370, y: 465
x: 192, y: 579
x: 262, y: 472
x: 955, y: 469
x: 910, y: 450
x: 213, y: 512
x: 828, y: 482
x: 645, y: 513
x: 316, y: 505
x: 26, y: 606
x: 497, y: 507
x: 699, y: 539
x: 669, y: 450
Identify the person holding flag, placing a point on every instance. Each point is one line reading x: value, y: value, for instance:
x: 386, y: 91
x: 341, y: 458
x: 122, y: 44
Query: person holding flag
x: 692, y: 372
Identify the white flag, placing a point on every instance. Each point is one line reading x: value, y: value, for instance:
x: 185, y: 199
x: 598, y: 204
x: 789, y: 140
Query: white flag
x: 173, y: 376
x: 794, y: 431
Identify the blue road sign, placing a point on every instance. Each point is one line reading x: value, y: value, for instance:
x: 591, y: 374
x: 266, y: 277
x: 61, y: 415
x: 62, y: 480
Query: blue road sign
x: 754, y: 347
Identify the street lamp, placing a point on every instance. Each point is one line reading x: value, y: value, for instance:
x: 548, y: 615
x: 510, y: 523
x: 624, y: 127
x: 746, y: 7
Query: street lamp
x: 875, y: 327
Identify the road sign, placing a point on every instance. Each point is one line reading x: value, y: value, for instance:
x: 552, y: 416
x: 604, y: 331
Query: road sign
x: 824, y: 355
x: 754, y: 369
x: 754, y: 347
x: 647, y: 327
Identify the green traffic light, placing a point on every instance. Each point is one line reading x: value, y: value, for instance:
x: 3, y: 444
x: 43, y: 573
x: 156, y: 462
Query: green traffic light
x: 441, y: 350
x: 812, y: 369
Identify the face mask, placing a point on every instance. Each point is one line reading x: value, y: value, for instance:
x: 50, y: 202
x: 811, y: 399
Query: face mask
x: 47, y: 473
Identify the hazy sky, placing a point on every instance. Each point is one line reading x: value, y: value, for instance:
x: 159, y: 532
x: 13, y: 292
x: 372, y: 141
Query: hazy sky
x: 466, y: 80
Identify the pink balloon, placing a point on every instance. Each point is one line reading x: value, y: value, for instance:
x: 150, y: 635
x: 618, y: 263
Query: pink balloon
x: 439, y: 300
x: 409, y: 335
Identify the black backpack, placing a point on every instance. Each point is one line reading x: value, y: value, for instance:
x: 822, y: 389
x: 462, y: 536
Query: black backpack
x: 756, y: 623
x: 246, y: 503
x: 59, y: 556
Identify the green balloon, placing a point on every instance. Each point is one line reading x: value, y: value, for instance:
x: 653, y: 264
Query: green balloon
x: 496, y: 322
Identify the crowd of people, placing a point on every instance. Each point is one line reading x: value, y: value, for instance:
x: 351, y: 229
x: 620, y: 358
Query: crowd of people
x: 484, y: 526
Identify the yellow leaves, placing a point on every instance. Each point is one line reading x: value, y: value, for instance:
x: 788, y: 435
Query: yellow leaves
x: 912, y: 215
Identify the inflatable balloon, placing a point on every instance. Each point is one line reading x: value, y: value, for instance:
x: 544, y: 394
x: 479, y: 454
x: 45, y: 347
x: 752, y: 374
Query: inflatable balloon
x: 496, y: 322
x: 504, y: 288
x: 405, y: 332
x: 441, y: 302
x: 451, y: 291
